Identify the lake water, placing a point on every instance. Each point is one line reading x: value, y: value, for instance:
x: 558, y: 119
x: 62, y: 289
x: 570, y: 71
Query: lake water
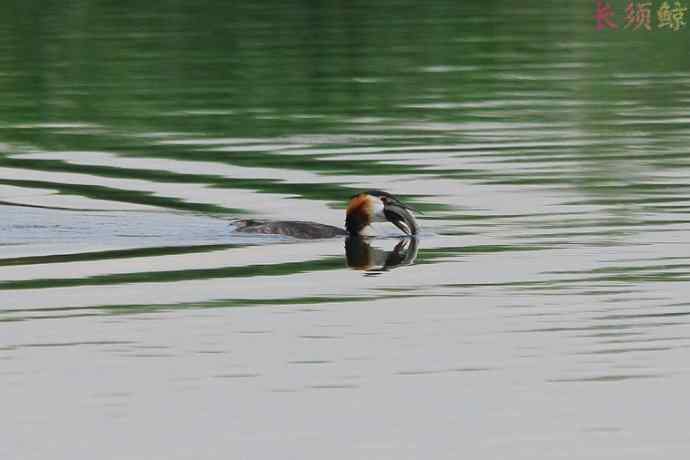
x: 542, y: 313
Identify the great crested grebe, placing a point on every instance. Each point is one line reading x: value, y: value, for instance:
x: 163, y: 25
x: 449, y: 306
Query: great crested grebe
x: 363, y: 209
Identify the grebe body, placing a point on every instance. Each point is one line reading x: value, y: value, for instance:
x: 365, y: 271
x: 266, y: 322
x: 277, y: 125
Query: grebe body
x: 293, y: 228
x: 363, y: 209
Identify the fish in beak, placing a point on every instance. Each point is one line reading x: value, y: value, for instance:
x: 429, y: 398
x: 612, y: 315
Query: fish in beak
x: 399, y: 215
x: 401, y: 218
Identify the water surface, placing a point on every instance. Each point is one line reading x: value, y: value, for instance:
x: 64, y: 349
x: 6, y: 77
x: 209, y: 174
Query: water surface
x: 543, y: 314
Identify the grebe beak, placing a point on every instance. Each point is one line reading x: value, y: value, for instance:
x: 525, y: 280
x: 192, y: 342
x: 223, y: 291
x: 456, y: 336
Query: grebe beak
x: 398, y: 214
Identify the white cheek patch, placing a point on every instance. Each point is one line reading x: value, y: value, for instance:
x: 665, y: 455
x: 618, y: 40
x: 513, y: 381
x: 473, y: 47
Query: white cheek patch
x: 378, y: 214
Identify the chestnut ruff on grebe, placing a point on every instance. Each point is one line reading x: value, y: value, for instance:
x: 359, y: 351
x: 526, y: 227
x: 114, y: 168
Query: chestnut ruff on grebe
x: 363, y: 209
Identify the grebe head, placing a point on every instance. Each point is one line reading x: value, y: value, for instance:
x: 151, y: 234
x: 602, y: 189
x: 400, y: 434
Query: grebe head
x: 377, y: 206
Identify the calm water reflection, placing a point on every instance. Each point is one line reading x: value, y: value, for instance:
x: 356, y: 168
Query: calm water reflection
x: 543, y: 311
x: 361, y: 255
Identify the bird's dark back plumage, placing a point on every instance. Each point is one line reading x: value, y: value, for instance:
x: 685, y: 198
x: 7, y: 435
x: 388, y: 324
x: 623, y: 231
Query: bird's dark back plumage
x: 295, y: 229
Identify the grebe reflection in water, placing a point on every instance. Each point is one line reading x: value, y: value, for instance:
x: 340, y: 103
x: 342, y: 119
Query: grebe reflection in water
x: 363, y: 256
x: 363, y: 209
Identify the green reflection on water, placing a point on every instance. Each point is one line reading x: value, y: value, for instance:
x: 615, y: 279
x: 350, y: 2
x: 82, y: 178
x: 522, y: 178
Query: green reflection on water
x: 529, y: 97
x: 246, y: 271
x: 227, y: 70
